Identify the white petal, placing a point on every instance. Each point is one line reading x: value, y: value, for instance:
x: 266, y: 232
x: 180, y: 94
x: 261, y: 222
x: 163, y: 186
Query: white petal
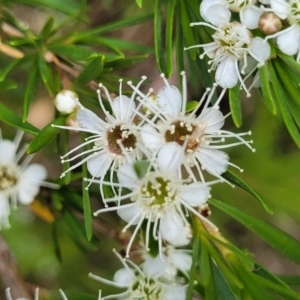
x: 210, y: 49
x: 289, y: 41
x: 130, y: 213
x: 205, y: 5
x: 280, y: 8
x: 127, y: 176
x: 7, y: 151
x: 174, y: 293
x: 154, y: 266
x: 218, y: 15
x: 181, y: 260
x: 124, y: 276
x: 170, y: 157
x: 174, y: 230
x: 150, y: 137
x: 260, y: 49
x: 169, y: 100
x: 264, y: 1
x: 250, y: 17
x: 226, y: 74
x: 35, y: 172
x: 195, y: 194
x: 98, y: 164
x: 4, y: 211
x: 123, y: 108
x: 214, y: 161
x: 213, y: 118
x: 89, y: 120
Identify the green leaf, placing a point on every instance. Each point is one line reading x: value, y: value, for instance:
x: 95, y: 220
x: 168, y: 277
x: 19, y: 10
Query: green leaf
x: 9, y: 117
x: 7, y: 85
x: 233, y: 178
x: 235, y: 105
x: 46, y: 73
x: 224, y: 292
x: 279, y: 240
x: 141, y: 168
x: 91, y: 71
x: 290, y: 61
x: 30, y: 90
x: 268, y: 97
x: 179, y: 47
x: 86, y: 206
x: 186, y: 29
x: 125, y: 63
x: 191, y: 105
x: 290, y: 279
x: 46, y: 136
x: 169, y: 37
x: 283, y: 105
x: 46, y: 30
x: 73, y: 53
x: 158, y: 40
x: 139, y: 3
x: 55, y: 238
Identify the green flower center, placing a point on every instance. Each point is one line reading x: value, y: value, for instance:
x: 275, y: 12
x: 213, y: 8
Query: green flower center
x: 158, y: 192
x: 294, y: 15
x: 120, y: 135
x: 145, y: 289
x: 9, y: 176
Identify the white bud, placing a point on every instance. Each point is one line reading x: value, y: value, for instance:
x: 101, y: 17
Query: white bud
x: 65, y: 102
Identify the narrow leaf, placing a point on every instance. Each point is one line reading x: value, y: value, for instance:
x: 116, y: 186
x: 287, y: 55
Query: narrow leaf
x: 46, y: 30
x: 141, y: 167
x: 158, y: 40
x: 56, y: 243
x: 268, y: 97
x: 233, y: 178
x: 9, y: 117
x: 169, y: 37
x: 30, y: 91
x: 179, y: 46
x: 290, y: 61
x: 235, y: 105
x: 73, y: 53
x: 87, y: 206
x: 46, y: 136
x: 91, y: 71
x: 275, y: 237
x: 7, y: 85
x: 191, y: 105
x: 139, y: 3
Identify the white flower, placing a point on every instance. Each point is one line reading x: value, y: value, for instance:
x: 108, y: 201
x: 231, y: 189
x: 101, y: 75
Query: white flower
x: 64, y: 102
x: 160, y: 199
x: 115, y: 141
x: 198, y: 134
x: 9, y: 297
x: 288, y: 40
x: 232, y: 43
x: 249, y: 13
x: 18, y: 182
x: 141, y: 285
x: 167, y: 266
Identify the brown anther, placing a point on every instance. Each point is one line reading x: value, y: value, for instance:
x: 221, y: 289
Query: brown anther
x: 269, y: 23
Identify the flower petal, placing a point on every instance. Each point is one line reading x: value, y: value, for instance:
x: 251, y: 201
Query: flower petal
x: 174, y: 293
x: 170, y: 157
x: 130, y: 214
x: 213, y: 118
x: 250, y: 16
x: 218, y: 15
x: 226, y: 74
x: 174, y: 230
x: 124, y: 277
x: 181, y: 260
x: 169, y: 100
x: 150, y: 137
x: 259, y: 49
x: 214, y: 161
x: 29, y: 183
x: 280, y: 8
x: 154, y: 266
x: 98, y: 164
x: 7, y: 151
x: 89, y: 120
x: 4, y: 212
x: 195, y: 194
x: 205, y: 5
x: 123, y: 108
x: 289, y: 41
x: 127, y: 176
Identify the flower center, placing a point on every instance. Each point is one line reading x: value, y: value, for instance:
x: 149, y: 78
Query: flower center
x: 9, y: 175
x: 146, y: 289
x: 237, y: 5
x: 294, y: 15
x: 180, y: 131
x: 233, y: 39
x: 119, y: 139
x: 158, y: 192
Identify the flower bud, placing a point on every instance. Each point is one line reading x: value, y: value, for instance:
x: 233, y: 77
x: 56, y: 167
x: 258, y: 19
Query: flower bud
x: 64, y: 102
x: 269, y: 23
